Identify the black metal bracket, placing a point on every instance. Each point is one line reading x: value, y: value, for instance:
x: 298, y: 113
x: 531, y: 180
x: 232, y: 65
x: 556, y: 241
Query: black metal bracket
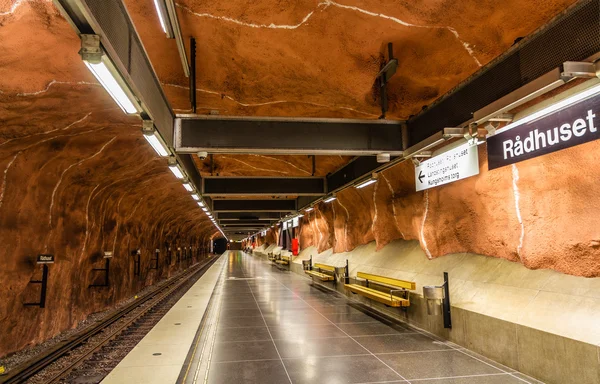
x: 106, y: 272
x: 44, y: 283
x: 137, y: 262
x: 155, y: 260
x: 384, y: 76
x: 193, y: 73
x: 347, y: 273
x: 446, y: 303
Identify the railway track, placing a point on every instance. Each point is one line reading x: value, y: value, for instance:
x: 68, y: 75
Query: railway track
x: 88, y: 356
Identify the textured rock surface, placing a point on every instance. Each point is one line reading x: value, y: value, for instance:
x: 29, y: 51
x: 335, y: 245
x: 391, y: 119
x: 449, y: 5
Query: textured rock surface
x: 320, y: 57
x: 542, y: 212
x: 76, y: 179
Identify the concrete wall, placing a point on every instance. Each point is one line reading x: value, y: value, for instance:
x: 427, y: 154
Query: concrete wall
x: 540, y: 322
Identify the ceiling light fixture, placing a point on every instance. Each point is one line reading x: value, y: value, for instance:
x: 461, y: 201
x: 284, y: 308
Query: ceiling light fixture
x: 330, y: 199
x: 196, y: 197
x: 153, y: 137
x: 592, y: 91
x: 105, y: 72
x: 367, y: 182
x: 187, y: 185
x: 174, y: 167
x: 163, y: 17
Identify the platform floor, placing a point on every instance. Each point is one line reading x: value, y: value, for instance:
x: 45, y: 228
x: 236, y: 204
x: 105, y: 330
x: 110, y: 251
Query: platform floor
x: 264, y: 325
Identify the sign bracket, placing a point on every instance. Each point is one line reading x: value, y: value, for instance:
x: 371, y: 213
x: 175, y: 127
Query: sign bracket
x: 44, y: 286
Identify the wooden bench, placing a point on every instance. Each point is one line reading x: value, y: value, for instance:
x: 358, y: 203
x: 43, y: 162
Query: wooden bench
x: 283, y: 260
x: 329, y: 274
x: 388, y: 287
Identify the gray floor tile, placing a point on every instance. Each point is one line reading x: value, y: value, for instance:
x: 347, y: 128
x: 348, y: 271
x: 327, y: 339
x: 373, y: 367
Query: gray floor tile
x: 248, y: 350
x: 367, y: 329
x: 351, y: 318
x: 319, y: 347
x: 338, y: 370
x: 399, y: 343
x: 243, y: 334
x: 426, y: 365
x: 236, y: 312
x: 315, y: 331
x: 487, y: 379
x: 256, y: 372
x: 249, y: 321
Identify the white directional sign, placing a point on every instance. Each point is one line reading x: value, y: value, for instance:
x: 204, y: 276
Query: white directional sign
x: 456, y: 164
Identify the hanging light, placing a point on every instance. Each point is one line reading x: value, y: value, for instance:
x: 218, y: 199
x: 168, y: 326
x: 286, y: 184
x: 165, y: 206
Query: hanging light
x: 371, y: 180
x: 174, y: 167
x: 163, y: 17
x: 330, y: 199
x: 187, y: 185
x: 153, y: 137
x: 594, y: 90
x: 106, y: 73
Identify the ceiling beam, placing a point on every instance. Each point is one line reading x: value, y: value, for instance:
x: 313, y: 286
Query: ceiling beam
x: 267, y: 216
x: 242, y: 205
x: 269, y: 186
x: 289, y: 136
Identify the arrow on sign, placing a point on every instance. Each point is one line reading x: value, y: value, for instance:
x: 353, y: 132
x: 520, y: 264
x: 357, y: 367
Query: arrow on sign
x: 421, y: 176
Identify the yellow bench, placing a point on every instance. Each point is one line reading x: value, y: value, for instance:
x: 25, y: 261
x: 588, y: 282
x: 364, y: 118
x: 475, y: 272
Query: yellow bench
x: 320, y: 275
x: 386, y: 295
x: 285, y: 260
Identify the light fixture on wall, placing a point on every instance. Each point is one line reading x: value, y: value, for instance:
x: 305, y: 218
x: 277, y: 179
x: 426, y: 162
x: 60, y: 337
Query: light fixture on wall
x: 369, y: 181
x: 174, y: 167
x: 330, y: 199
x: 187, y: 185
x: 107, y: 74
x: 592, y: 91
x: 163, y: 17
x: 153, y: 137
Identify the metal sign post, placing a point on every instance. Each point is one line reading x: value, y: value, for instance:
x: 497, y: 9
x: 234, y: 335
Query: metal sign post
x: 44, y: 260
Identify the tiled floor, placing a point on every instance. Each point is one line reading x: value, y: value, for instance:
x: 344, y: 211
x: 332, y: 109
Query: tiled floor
x: 269, y: 326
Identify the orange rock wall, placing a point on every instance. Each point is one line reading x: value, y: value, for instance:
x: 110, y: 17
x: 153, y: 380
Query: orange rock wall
x: 556, y: 196
x: 76, y: 179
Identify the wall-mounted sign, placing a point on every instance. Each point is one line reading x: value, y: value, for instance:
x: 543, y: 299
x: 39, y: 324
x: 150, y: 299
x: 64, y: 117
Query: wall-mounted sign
x: 45, y: 259
x: 108, y: 255
x: 456, y: 164
x: 285, y: 225
x: 574, y: 125
x: 295, y: 222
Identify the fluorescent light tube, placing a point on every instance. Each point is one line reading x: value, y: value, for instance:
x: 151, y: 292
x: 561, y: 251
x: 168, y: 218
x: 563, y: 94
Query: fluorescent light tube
x: 308, y: 209
x: 553, y: 108
x: 201, y: 203
x: 161, y: 17
x: 176, y: 171
x: 365, y: 183
x: 330, y: 199
x: 188, y: 187
x: 205, y: 209
x: 108, y: 81
x: 196, y: 197
x: 155, y: 142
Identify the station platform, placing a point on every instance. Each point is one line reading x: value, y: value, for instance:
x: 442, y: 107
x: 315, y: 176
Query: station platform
x: 264, y: 325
